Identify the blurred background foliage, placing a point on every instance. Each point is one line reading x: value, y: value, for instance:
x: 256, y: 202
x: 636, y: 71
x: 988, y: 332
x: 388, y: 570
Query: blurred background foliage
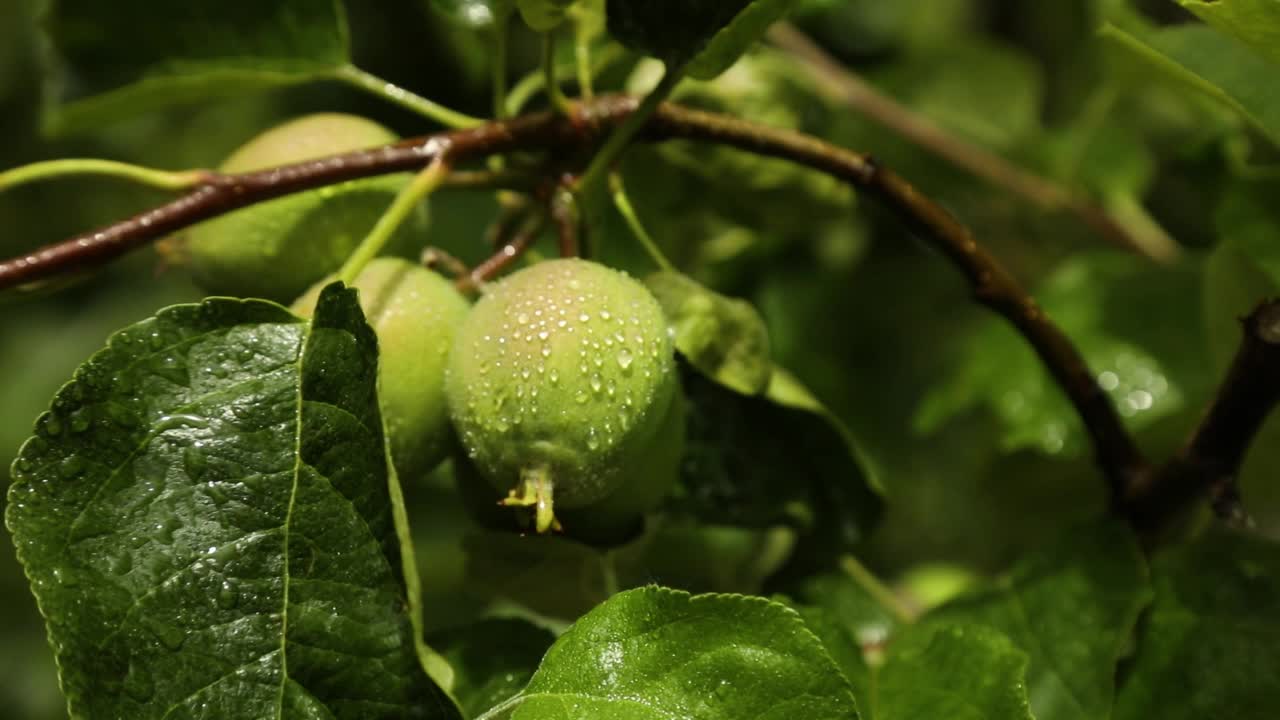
x: 979, y: 454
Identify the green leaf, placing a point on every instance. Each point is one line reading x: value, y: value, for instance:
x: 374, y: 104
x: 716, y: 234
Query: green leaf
x: 1255, y: 22
x: 119, y: 59
x: 1072, y: 608
x: 842, y: 646
x: 955, y: 671
x: 1210, y: 646
x: 847, y: 618
x: 544, y: 15
x: 727, y: 45
x: 1248, y: 221
x: 1100, y: 300
x: 475, y: 13
x: 492, y: 659
x: 740, y: 449
x: 656, y: 654
x: 708, y: 35
x: 724, y: 338
x: 1216, y: 65
x: 206, y: 517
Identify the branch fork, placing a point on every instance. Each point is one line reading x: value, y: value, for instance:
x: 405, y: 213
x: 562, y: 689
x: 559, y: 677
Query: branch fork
x: 1148, y: 497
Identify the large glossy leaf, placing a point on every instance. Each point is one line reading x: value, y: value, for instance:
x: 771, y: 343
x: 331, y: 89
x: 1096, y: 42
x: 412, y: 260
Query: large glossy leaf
x: 1217, y: 65
x: 707, y: 36
x: 655, y: 654
x: 119, y: 59
x: 1256, y: 22
x: 1072, y: 608
x: 724, y: 338
x: 206, y: 514
x: 957, y: 671
x: 1210, y: 647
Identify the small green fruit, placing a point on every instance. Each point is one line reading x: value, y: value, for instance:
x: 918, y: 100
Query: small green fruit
x: 277, y: 249
x: 563, y: 389
x: 416, y: 314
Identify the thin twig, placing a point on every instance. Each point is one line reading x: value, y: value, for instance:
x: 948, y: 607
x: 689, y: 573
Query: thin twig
x: 992, y: 285
x: 563, y: 208
x: 837, y: 81
x: 1209, y: 463
x: 512, y: 248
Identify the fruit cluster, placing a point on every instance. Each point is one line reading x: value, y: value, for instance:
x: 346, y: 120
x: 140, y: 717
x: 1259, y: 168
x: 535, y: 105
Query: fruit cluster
x: 557, y: 391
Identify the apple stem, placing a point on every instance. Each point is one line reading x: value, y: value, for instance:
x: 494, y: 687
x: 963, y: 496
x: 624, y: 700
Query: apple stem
x: 536, y: 490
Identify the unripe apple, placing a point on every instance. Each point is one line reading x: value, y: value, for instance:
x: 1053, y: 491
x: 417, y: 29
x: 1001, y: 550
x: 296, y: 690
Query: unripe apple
x: 416, y: 314
x: 277, y: 249
x: 563, y: 390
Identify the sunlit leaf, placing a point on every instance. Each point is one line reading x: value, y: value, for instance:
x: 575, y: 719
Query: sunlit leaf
x: 653, y: 654
x: 722, y: 337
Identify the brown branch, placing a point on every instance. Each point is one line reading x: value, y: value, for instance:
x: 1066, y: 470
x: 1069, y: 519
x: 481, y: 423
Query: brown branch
x: 838, y: 82
x: 1209, y: 463
x: 992, y: 285
x: 224, y: 193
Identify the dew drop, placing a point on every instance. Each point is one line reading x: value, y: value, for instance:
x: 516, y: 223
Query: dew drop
x: 121, y: 564
x: 625, y: 358
x: 596, y: 382
x: 51, y: 426
x: 139, y: 685
x: 70, y: 467
x: 593, y: 440
x: 80, y: 420
x: 228, y: 595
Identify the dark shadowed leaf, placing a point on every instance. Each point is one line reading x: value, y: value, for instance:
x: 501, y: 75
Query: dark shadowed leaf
x: 206, y: 516
x: 655, y: 654
x: 724, y: 338
x: 737, y: 449
x: 708, y: 35
x: 492, y: 659
x: 1210, y: 647
x: 119, y: 59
